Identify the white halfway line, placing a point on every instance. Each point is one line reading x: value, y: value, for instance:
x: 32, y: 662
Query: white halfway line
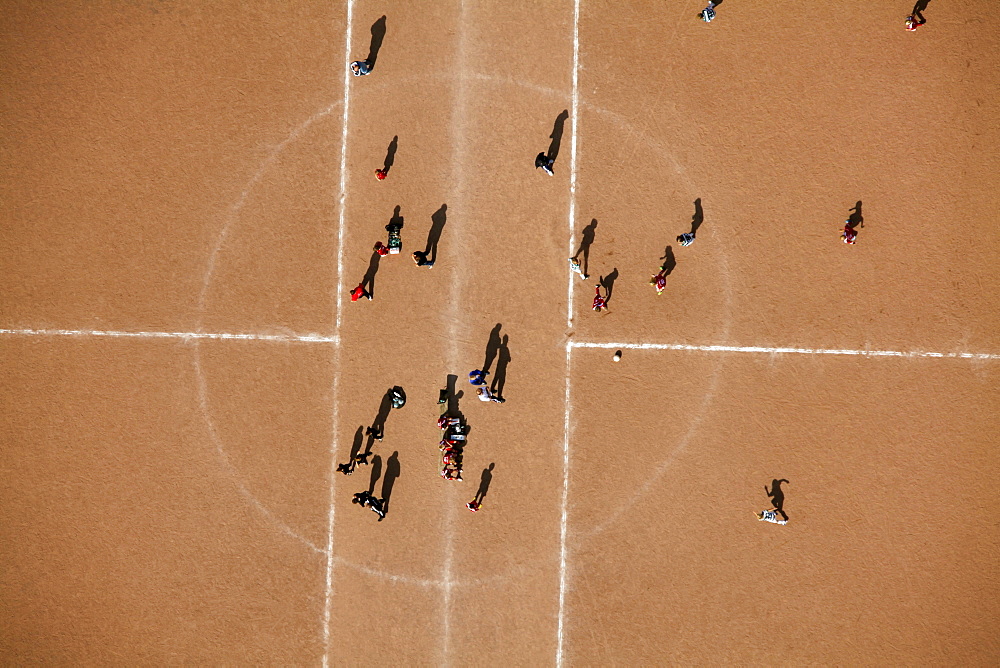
x: 778, y: 351
x: 281, y: 338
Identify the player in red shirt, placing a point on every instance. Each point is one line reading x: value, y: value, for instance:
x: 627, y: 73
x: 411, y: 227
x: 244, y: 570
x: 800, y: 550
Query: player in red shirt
x: 849, y: 234
x: 359, y: 292
x: 659, y: 281
x: 380, y: 174
x: 599, y: 301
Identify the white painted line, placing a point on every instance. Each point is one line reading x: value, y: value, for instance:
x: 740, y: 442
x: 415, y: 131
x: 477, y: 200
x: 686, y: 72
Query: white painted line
x: 780, y: 350
x: 338, y: 298
x: 280, y: 338
x: 563, y: 520
x: 574, y: 124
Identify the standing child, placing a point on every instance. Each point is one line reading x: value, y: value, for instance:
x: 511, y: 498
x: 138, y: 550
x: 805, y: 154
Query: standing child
x: 708, y: 13
x: 849, y: 234
x: 914, y: 21
x: 477, y: 377
x: 380, y: 174
x: 360, y: 68
x: 686, y: 239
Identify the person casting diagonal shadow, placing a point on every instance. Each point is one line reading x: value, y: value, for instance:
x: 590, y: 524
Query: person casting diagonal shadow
x: 390, y: 159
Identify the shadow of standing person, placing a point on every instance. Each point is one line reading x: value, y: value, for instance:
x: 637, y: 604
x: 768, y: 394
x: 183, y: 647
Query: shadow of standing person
x: 376, y: 473
x: 390, y: 155
x: 378, y: 34
x: 556, y: 136
x: 391, y: 473
x: 492, y: 346
x: 777, y: 497
x: 500, y: 377
x: 438, y: 220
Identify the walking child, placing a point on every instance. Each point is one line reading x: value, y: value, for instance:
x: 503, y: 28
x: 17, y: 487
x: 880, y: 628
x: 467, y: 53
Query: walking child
x: 477, y: 377
x: 659, y: 281
x: 380, y: 174
x: 686, y: 239
x: 599, y: 301
x: 360, y: 68
x: 484, y: 394
x: 420, y: 258
x: 849, y: 235
x: 545, y: 163
x: 574, y: 266
x: 708, y: 13
x: 359, y: 292
x: 914, y: 21
x: 770, y: 516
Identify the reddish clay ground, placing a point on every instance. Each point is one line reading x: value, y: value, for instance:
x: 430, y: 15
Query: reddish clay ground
x: 175, y: 167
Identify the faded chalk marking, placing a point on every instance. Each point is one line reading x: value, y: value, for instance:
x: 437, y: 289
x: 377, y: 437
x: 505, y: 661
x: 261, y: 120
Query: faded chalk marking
x: 784, y: 350
x: 219, y: 336
x: 338, y: 296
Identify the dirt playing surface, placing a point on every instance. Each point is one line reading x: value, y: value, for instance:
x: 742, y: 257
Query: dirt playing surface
x: 184, y: 367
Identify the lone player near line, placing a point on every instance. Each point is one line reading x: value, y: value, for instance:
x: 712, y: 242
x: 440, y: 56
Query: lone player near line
x: 359, y: 292
x: 545, y: 163
x: 360, y: 68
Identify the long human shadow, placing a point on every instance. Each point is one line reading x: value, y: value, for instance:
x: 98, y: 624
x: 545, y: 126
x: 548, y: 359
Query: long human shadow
x: 396, y: 219
x: 390, y: 154
x: 669, y: 261
x: 608, y: 283
x: 585, y: 242
x: 391, y: 473
x: 378, y: 34
x: 699, y: 215
x: 484, y: 483
x: 919, y: 7
x: 856, y: 219
x: 438, y: 220
x: 556, y: 136
x: 368, y: 282
x: 777, y: 496
x: 359, y: 437
x: 376, y: 473
x: 377, y: 430
x: 492, y: 346
x: 453, y: 397
x: 500, y: 375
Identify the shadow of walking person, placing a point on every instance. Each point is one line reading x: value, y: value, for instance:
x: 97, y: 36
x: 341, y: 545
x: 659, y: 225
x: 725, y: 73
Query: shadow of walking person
x: 390, y: 155
x: 452, y: 398
x: 378, y: 34
x: 777, y: 497
x: 500, y: 377
x: 484, y: 483
x: 376, y: 473
x: 368, y: 282
x: 669, y: 261
x: 856, y: 219
x: 377, y: 430
x: 585, y: 242
x: 608, y: 283
x: 438, y: 220
x: 492, y: 347
x: 556, y: 136
x: 391, y: 473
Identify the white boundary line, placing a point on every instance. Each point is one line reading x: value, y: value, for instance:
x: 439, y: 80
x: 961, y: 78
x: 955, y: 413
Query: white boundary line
x: 280, y: 338
x: 783, y: 350
x: 563, y: 520
x: 335, y: 418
